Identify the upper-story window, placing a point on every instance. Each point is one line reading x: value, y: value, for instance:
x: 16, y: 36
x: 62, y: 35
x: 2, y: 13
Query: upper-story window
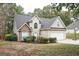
x: 35, y: 25
x: 57, y: 23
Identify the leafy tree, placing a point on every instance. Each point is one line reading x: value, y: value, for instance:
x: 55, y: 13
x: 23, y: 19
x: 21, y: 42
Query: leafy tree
x: 72, y: 7
x: 65, y: 16
x: 18, y: 9
x: 9, y: 10
x: 54, y: 10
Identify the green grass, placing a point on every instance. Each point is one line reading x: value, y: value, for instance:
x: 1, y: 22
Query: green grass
x: 59, y: 50
x: 4, y: 43
x: 72, y: 35
x: 53, y: 49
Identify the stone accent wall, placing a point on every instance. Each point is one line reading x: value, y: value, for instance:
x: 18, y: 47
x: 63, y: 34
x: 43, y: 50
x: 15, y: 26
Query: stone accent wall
x: 25, y: 28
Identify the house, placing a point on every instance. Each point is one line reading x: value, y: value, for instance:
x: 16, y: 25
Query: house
x: 73, y: 26
x: 36, y: 26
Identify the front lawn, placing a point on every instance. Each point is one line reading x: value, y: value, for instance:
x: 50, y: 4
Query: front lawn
x: 4, y: 43
x: 52, y: 49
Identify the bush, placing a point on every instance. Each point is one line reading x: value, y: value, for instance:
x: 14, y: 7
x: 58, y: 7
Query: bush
x: 7, y: 37
x: 52, y: 40
x: 29, y: 39
x: 33, y: 38
x: 42, y: 40
x: 11, y: 37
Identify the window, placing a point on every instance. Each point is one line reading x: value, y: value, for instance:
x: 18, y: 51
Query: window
x: 57, y: 23
x: 35, y: 25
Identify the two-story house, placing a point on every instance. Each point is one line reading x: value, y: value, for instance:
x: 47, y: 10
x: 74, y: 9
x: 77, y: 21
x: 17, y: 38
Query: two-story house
x: 36, y: 26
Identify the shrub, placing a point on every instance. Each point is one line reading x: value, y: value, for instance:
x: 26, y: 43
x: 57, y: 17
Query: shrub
x: 27, y: 39
x: 52, y: 40
x: 33, y: 38
x: 42, y: 40
x: 14, y: 37
x: 7, y: 37
x: 11, y: 37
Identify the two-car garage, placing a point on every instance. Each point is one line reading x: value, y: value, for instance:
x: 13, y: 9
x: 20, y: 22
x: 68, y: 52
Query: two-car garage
x: 60, y: 35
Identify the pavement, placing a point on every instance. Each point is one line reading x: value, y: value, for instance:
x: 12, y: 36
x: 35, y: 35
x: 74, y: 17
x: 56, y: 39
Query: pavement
x: 69, y: 41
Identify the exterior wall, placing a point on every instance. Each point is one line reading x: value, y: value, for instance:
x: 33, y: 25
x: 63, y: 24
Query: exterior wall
x: 14, y: 27
x: 35, y: 20
x: 56, y: 22
x: 44, y: 33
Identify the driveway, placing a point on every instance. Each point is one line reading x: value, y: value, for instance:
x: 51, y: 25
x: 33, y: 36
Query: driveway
x: 68, y: 41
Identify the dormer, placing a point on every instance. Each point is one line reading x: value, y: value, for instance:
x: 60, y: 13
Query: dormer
x: 35, y: 24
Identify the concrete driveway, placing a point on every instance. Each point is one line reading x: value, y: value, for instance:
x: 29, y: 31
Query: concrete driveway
x: 68, y: 41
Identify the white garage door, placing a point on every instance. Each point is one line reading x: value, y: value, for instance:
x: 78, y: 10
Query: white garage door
x: 59, y: 35
x: 25, y: 34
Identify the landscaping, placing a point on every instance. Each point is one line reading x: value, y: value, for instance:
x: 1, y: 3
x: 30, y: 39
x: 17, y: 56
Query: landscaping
x: 44, y: 40
x: 72, y: 36
x: 11, y: 37
x: 31, y: 49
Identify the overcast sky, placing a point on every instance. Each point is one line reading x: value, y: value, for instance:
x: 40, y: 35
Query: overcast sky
x: 30, y: 5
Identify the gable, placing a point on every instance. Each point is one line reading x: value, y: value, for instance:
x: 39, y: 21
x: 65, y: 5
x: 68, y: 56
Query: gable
x: 58, y: 23
x: 36, y: 20
x: 24, y: 27
x: 20, y: 20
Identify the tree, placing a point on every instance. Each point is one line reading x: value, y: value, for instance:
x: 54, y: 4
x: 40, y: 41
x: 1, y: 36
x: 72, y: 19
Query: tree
x: 72, y: 7
x: 9, y: 10
x: 66, y: 18
x: 54, y: 10
x: 18, y: 9
x: 12, y: 10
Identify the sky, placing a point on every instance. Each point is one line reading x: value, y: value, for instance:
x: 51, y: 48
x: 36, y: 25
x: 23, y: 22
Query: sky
x: 30, y: 5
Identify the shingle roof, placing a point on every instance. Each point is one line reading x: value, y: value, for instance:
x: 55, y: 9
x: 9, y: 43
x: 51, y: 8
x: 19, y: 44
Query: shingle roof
x: 21, y: 19
x: 45, y: 22
x: 73, y: 25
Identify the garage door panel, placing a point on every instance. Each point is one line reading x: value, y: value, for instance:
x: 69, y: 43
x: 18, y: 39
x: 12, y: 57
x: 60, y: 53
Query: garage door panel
x: 58, y: 35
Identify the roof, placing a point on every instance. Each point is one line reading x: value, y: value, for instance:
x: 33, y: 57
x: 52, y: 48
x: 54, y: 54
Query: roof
x: 21, y: 19
x: 45, y: 22
x: 73, y: 25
